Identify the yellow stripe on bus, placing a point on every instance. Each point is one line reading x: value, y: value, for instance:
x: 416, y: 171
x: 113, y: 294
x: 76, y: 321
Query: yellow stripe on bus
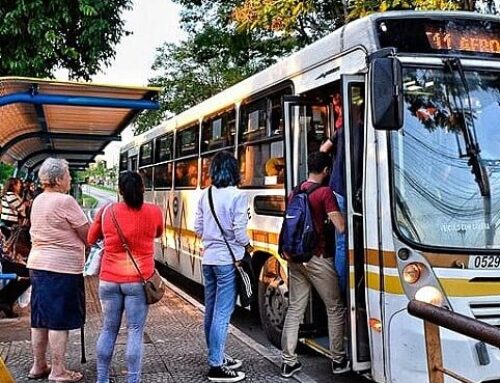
x: 453, y: 287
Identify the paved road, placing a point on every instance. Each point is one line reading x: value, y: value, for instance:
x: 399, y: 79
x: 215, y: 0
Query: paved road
x: 316, y: 367
x: 103, y: 197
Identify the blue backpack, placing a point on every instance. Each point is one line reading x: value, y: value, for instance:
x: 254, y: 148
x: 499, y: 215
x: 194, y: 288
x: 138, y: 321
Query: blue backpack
x: 298, y: 236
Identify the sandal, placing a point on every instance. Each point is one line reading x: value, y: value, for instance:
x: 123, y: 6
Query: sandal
x: 72, y: 376
x: 42, y: 375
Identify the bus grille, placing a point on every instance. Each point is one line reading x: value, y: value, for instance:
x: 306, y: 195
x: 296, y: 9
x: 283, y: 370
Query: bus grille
x: 487, y: 312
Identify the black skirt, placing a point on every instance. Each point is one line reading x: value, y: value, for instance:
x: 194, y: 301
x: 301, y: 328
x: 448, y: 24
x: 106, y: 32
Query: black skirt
x: 57, y: 300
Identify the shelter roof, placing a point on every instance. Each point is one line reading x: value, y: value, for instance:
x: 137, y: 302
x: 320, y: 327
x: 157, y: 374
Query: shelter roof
x: 71, y: 120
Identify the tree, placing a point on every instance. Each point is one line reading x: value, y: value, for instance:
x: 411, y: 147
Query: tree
x: 214, y: 56
x: 37, y: 37
x: 311, y: 19
x: 229, y: 40
x: 6, y: 171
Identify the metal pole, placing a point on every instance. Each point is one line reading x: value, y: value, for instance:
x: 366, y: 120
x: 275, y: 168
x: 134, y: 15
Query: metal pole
x: 82, y: 344
x: 433, y: 349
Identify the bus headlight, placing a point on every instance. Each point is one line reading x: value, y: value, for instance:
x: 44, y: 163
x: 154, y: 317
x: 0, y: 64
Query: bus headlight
x: 412, y: 272
x: 431, y: 295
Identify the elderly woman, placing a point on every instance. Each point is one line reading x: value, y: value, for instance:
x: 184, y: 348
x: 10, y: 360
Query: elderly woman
x: 58, y: 232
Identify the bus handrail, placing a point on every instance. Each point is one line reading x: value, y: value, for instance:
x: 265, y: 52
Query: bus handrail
x: 435, y: 317
x: 459, y: 323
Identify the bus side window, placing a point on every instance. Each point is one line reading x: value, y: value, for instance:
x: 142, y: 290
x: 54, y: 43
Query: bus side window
x: 261, y: 149
x: 218, y: 132
x: 123, y: 161
x: 147, y: 177
x: 186, y: 158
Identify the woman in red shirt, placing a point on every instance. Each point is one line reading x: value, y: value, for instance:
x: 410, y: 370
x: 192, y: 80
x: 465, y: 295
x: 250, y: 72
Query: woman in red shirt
x: 120, y: 286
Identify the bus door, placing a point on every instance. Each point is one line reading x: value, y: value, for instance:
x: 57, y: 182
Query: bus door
x: 353, y: 101
x: 306, y: 126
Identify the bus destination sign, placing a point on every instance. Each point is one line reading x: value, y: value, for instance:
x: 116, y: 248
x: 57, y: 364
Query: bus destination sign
x: 463, y: 41
x: 441, y: 35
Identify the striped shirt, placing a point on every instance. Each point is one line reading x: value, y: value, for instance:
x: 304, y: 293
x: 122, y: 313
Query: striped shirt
x: 12, y: 207
x: 55, y: 244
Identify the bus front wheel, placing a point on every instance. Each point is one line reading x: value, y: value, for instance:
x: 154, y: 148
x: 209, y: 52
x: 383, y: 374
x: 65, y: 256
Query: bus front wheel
x: 273, y: 299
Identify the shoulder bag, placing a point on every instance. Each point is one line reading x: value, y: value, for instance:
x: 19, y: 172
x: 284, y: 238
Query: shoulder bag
x: 153, y: 286
x: 94, y: 260
x: 245, y: 277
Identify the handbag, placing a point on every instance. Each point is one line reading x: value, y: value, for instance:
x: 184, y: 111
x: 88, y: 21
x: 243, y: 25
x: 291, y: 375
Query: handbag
x: 245, y: 277
x: 94, y: 260
x: 154, y: 287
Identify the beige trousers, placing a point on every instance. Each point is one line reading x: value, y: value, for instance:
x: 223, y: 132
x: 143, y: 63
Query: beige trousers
x: 320, y: 273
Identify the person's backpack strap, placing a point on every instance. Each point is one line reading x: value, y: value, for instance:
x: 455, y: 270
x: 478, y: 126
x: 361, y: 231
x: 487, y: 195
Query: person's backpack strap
x: 315, y: 186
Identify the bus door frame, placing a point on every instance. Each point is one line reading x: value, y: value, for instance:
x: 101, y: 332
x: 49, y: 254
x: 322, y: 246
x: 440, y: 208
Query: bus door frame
x: 355, y: 239
x: 296, y: 162
x: 296, y: 153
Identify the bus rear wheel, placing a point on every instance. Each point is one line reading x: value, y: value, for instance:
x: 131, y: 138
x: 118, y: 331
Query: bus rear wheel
x: 273, y: 299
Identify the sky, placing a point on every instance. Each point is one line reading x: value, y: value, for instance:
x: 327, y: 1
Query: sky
x: 152, y: 22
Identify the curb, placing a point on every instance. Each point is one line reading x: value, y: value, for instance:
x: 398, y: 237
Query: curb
x: 273, y: 355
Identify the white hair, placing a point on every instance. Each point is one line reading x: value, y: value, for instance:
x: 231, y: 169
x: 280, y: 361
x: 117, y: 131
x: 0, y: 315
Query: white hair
x: 52, y: 170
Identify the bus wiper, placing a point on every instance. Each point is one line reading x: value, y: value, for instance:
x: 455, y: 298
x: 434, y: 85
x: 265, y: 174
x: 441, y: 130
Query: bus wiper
x: 471, y: 145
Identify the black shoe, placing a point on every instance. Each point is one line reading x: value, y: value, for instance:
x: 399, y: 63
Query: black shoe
x: 223, y: 374
x: 232, y: 363
x: 340, y: 365
x: 288, y: 370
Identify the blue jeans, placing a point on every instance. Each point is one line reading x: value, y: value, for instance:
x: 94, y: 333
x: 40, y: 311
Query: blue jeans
x: 220, y: 299
x: 115, y: 299
x: 340, y: 253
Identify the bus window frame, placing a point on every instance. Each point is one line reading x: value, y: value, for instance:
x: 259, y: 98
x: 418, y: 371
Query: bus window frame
x: 141, y: 163
x: 171, y: 174
x: 156, y: 159
x: 152, y: 176
x: 266, y: 140
x: 177, y: 143
x: 209, y: 120
x: 123, y: 155
x: 187, y: 159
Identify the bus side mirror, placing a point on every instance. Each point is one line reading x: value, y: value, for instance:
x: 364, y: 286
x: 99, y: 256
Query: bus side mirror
x: 387, y: 95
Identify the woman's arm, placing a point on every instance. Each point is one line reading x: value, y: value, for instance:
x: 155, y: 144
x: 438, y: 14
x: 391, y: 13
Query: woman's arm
x: 82, y: 232
x: 240, y: 220
x: 159, y: 223
x: 198, y: 220
x: 95, y: 232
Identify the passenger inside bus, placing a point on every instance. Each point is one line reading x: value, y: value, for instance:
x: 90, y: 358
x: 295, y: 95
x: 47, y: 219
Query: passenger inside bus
x: 335, y: 144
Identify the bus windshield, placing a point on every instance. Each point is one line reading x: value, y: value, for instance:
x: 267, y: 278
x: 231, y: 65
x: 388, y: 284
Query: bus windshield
x: 446, y: 158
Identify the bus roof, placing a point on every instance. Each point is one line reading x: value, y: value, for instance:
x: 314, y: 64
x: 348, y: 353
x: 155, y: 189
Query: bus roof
x: 362, y: 35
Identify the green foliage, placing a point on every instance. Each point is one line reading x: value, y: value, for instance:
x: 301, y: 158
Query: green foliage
x: 6, y: 171
x: 88, y: 201
x: 229, y: 40
x: 37, y: 37
x: 99, y: 172
x: 310, y: 19
x: 214, y: 56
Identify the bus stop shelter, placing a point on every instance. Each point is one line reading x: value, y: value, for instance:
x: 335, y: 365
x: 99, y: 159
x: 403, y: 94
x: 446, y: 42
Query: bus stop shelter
x: 70, y: 120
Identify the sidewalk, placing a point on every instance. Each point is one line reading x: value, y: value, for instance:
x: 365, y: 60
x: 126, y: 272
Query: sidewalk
x: 174, y: 346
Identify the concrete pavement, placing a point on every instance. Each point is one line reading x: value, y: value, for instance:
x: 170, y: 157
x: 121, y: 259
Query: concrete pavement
x: 174, y: 345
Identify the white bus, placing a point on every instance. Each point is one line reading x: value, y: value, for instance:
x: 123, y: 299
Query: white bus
x: 421, y: 114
